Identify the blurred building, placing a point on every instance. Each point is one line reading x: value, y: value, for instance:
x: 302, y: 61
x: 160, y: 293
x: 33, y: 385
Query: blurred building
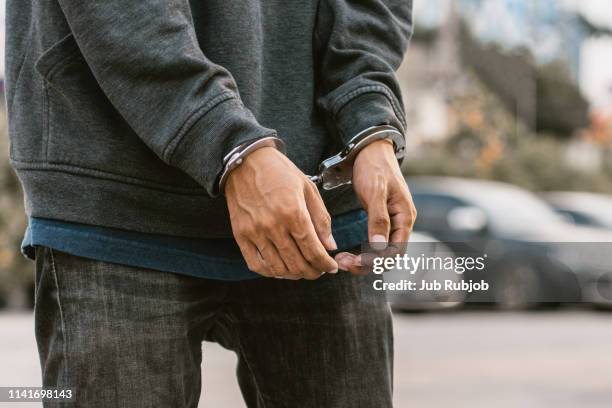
x: 530, y: 54
x: 547, y: 28
x: 552, y: 30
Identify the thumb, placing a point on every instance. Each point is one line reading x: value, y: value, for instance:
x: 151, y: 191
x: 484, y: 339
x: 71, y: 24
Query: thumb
x: 321, y: 220
x: 379, y: 223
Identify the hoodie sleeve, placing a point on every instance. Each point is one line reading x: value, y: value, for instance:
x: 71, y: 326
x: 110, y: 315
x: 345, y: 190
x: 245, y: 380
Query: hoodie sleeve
x: 360, y: 45
x: 146, y: 58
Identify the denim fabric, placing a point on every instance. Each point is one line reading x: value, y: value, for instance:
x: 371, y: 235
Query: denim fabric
x: 204, y: 258
x: 129, y: 337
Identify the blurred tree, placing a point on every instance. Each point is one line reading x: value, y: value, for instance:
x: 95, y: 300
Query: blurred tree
x: 16, y: 278
x: 561, y: 108
x: 425, y: 35
x: 544, y: 98
x: 534, y: 163
x: 490, y: 143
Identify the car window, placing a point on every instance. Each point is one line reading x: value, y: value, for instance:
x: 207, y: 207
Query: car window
x: 433, y: 211
x: 514, y: 210
x: 580, y: 218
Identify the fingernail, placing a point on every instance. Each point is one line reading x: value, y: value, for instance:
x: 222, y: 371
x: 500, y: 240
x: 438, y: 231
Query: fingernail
x: 345, y: 263
x: 357, y: 260
x: 379, y: 242
x: 332, y: 242
x: 333, y: 271
x: 340, y: 256
x: 379, y: 238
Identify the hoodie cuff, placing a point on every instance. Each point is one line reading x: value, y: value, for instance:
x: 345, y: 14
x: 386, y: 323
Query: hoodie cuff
x: 201, y: 150
x: 372, y: 107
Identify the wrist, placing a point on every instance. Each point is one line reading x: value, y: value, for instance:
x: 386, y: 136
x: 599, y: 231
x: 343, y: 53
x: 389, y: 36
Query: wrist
x: 337, y: 170
x: 236, y: 157
x: 251, y: 164
x: 382, y: 145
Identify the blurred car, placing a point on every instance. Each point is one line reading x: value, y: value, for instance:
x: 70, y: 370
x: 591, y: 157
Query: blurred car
x: 535, y: 257
x: 588, y: 209
x: 421, y: 243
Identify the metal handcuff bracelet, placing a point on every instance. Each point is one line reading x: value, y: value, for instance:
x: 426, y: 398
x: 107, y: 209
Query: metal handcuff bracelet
x: 334, y: 171
x: 337, y: 170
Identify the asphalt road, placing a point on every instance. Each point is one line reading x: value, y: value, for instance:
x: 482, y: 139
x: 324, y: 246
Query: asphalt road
x: 465, y: 359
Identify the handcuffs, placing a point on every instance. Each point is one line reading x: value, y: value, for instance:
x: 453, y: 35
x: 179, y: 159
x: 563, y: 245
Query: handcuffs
x: 334, y: 171
x: 337, y: 170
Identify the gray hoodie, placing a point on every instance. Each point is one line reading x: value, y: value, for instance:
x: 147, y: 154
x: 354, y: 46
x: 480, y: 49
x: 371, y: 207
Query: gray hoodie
x: 120, y: 111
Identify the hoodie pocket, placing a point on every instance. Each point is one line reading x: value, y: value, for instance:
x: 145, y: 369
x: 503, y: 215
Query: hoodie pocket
x: 53, y: 58
x: 83, y: 129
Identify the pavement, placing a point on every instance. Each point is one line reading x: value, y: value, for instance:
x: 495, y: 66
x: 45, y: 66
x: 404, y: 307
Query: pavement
x: 461, y: 359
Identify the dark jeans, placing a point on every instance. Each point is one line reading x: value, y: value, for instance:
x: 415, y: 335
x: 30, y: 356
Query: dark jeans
x: 128, y: 337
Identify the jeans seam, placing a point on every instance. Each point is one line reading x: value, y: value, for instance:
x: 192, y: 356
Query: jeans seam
x: 61, y: 314
x: 246, y: 361
x: 235, y: 323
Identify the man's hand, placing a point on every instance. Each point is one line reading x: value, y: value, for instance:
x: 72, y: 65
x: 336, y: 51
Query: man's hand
x: 380, y: 185
x: 278, y: 218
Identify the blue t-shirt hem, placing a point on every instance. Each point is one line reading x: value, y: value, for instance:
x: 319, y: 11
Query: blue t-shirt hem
x: 204, y: 258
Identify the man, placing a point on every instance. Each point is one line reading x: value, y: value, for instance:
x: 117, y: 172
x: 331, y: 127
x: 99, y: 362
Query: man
x: 149, y: 138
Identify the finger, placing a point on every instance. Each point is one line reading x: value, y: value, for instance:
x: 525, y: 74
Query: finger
x: 320, y: 217
x: 298, y: 267
x: 350, y: 263
x: 305, y: 237
x: 378, y: 221
x: 271, y: 258
x: 344, y: 260
x: 403, y: 216
x: 400, y: 232
x: 253, y: 261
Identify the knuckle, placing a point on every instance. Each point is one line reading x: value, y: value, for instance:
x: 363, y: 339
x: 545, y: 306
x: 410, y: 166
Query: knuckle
x: 284, y: 212
x: 317, y: 259
x: 298, y: 268
x: 278, y: 267
x: 303, y: 269
x: 266, y: 225
x: 283, y: 247
x: 410, y: 217
x: 381, y: 221
x: 298, y: 228
x: 247, y: 230
x: 289, y: 261
x: 320, y: 258
x: 287, y: 208
x: 309, y: 255
x: 326, y: 221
